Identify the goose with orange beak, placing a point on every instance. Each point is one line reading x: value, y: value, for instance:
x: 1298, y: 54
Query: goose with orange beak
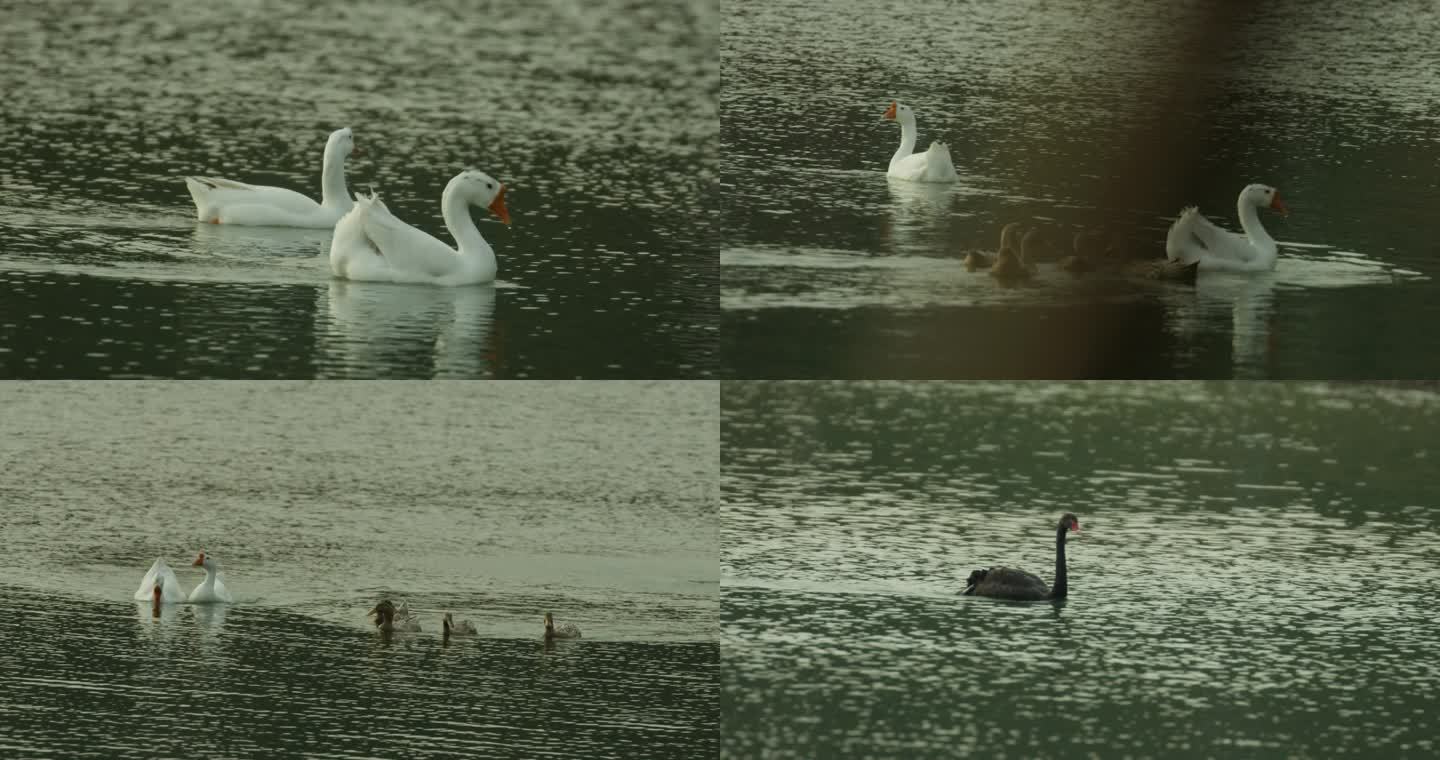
x: 212, y: 590
x: 371, y: 244
x: 1194, y: 239
x: 934, y: 165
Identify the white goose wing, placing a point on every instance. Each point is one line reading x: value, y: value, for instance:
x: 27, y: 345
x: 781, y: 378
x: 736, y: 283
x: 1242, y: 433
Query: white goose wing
x: 406, y: 249
x: 1215, y: 241
x: 221, y: 193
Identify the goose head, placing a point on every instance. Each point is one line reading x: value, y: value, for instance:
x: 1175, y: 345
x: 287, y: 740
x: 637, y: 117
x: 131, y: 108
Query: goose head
x: 975, y: 579
x: 549, y: 624
x: 480, y: 189
x: 1264, y: 196
x: 206, y: 561
x: 899, y: 112
x: 341, y: 143
x: 157, y: 595
x: 447, y: 623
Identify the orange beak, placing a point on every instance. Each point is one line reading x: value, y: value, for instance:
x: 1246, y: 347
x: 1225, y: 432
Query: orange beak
x: 1279, y: 205
x: 200, y: 560
x: 497, y: 206
x: 890, y: 112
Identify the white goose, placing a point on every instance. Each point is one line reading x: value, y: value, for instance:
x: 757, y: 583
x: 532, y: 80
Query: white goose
x: 934, y: 165
x: 160, y: 575
x: 1194, y: 238
x: 371, y: 244
x: 212, y: 589
x: 223, y: 201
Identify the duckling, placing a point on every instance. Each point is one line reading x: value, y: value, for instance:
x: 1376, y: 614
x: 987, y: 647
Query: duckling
x: 1008, y: 267
x: 567, y: 631
x: 385, y: 620
x: 452, y: 628
x: 1034, y: 247
x: 1011, y: 235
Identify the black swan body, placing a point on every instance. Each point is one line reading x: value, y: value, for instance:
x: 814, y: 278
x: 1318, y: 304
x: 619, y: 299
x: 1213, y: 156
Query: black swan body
x: 1010, y: 583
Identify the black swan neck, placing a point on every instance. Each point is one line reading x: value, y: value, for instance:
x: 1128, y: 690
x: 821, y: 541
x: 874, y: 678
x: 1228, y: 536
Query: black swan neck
x: 1061, y: 587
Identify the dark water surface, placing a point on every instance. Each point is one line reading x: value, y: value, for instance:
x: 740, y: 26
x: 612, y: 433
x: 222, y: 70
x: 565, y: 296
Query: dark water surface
x: 599, y: 117
x: 1068, y: 115
x: 1255, y: 575
x: 498, y: 502
x: 105, y: 678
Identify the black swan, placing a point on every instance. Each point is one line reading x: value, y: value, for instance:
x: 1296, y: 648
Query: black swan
x: 1009, y: 583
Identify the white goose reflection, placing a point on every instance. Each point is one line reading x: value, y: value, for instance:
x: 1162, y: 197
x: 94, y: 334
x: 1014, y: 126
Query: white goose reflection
x: 373, y: 329
x: 210, y: 616
x: 1243, y: 303
x: 919, y: 217
x: 146, y: 617
x: 240, y: 242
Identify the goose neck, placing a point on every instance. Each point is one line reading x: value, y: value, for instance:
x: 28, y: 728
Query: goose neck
x: 907, y: 137
x: 455, y: 207
x: 333, y: 193
x: 1249, y: 215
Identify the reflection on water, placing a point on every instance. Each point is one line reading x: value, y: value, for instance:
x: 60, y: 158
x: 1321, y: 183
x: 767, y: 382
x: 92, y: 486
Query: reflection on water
x: 205, y: 617
x: 1070, y: 115
x: 376, y: 324
x: 1210, y: 612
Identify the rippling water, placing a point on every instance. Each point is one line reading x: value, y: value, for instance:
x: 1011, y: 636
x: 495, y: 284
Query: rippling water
x: 1071, y: 115
x: 599, y: 117
x: 1253, y: 575
x: 595, y: 501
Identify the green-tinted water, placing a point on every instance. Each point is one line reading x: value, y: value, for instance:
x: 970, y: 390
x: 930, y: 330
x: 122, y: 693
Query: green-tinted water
x: 1068, y: 115
x: 499, y: 502
x: 599, y: 118
x: 1254, y: 576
